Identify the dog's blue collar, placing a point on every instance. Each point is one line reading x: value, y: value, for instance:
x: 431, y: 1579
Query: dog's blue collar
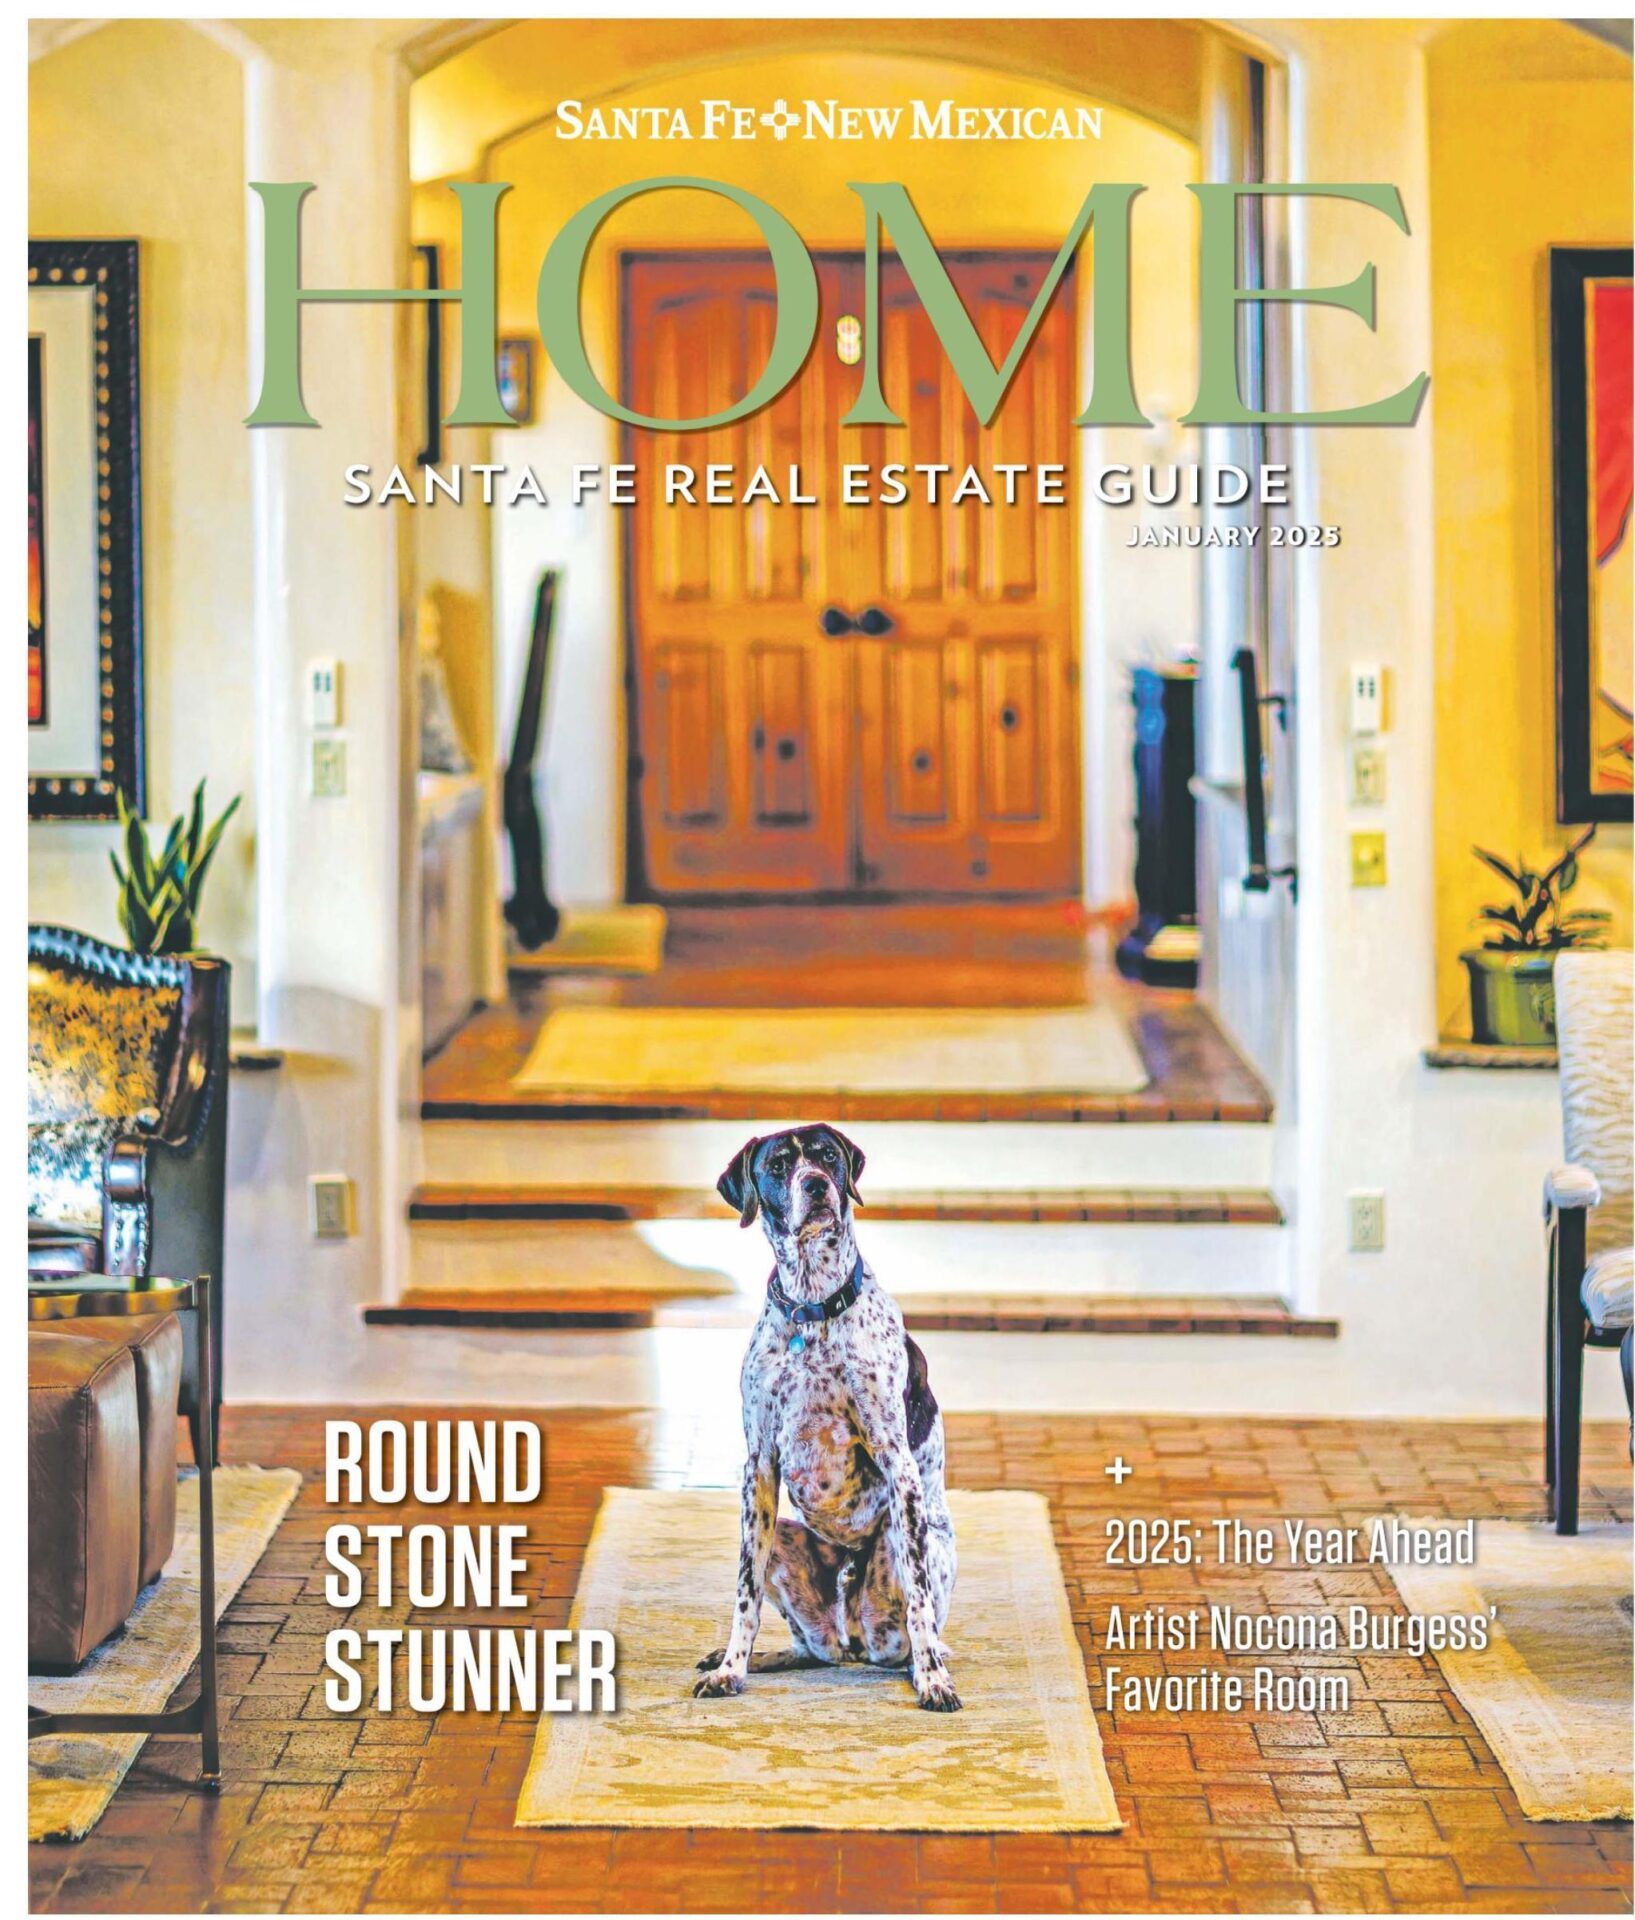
x: 807, y: 1313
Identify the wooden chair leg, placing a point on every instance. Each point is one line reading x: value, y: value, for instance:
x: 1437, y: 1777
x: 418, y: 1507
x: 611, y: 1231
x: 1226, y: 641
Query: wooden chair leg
x: 1567, y: 1339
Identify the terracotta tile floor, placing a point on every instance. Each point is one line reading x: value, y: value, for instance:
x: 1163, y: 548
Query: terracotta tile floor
x: 999, y: 954
x: 1394, y: 1805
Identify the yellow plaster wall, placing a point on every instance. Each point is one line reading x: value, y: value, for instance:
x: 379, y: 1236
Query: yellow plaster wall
x: 1530, y: 147
x: 138, y: 129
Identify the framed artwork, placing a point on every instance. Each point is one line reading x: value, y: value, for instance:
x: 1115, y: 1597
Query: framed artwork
x: 514, y: 366
x: 84, y: 530
x: 1591, y: 348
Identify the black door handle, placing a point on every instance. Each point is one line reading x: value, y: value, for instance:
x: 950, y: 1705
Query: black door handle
x: 874, y: 623
x: 835, y: 623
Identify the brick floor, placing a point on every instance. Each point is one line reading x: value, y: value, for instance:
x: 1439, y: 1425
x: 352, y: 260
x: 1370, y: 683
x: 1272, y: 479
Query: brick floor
x: 1394, y: 1805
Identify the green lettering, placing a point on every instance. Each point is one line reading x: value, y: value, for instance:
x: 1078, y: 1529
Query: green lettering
x: 280, y: 403
x: 1220, y: 401
x: 1112, y: 396
x: 563, y: 338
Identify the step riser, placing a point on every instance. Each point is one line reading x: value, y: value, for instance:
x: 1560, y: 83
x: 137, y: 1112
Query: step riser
x: 932, y: 1157
x: 934, y: 1257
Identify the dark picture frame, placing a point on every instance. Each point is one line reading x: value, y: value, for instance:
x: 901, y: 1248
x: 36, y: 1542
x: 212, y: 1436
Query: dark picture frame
x: 1580, y: 795
x: 108, y: 468
x: 431, y: 258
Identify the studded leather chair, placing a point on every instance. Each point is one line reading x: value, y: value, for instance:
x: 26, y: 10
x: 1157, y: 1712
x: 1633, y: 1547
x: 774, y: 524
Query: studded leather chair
x: 127, y: 1111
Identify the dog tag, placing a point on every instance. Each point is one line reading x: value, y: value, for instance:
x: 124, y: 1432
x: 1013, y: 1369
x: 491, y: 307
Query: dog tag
x: 798, y: 1343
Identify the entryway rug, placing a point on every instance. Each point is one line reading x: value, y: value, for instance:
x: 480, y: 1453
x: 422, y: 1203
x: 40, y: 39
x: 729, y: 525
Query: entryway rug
x: 73, y: 1776
x: 788, y: 1052
x: 1551, y: 1693
x: 835, y: 1748
x: 628, y: 939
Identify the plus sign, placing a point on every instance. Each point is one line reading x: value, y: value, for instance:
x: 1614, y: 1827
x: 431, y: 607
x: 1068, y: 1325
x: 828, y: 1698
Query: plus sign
x: 1119, y: 1471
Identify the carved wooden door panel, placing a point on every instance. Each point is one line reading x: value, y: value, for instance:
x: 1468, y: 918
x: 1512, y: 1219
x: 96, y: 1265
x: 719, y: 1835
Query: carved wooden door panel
x: 930, y: 745
x: 741, y: 723
x: 968, y: 705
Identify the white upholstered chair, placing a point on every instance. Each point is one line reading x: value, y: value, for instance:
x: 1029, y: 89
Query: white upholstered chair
x: 1587, y: 1204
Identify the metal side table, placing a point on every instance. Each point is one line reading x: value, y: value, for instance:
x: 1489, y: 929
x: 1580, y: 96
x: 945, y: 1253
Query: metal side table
x: 85, y: 1296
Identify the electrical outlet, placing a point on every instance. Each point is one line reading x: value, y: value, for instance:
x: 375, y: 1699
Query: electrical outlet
x: 1367, y: 777
x: 328, y: 768
x: 330, y: 1205
x: 1367, y: 1222
x: 1368, y: 859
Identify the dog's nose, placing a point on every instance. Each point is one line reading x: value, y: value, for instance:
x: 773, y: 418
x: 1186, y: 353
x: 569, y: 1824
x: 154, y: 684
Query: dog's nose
x: 814, y: 1186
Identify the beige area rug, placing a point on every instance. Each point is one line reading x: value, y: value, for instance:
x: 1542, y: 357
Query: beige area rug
x: 845, y: 1747
x: 627, y: 939
x: 1551, y: 1693
x: 832, y: 1049
x: 73, y: 1776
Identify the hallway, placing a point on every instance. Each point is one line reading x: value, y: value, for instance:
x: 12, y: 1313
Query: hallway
x: 1396, y: 1805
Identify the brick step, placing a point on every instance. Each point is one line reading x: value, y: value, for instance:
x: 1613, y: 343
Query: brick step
x: 1240, y: 1103
x: 566, y: 1309
x: 453, y: 1201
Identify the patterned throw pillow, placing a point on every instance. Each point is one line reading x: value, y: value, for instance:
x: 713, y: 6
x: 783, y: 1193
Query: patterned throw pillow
x: 65, y: 1169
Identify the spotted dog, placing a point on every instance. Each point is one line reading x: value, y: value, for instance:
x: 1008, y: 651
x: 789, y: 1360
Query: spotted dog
x: 838, y: 1409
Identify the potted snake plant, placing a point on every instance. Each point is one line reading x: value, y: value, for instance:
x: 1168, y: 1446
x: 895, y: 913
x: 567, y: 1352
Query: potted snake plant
x: 1512, y: 973
x: 159, y: 893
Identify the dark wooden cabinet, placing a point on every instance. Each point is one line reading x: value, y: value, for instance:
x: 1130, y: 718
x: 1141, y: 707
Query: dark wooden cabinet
x: 1162, y: 947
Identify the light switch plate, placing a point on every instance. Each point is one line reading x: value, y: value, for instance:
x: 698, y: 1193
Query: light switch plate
x: 1368, y: 859
x: 330, y: 1205
x: 324, y: 693
x: 1368, y: 776
x: 1367, y: 697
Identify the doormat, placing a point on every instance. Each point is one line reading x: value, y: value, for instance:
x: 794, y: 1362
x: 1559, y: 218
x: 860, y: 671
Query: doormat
x: 1551, y: 1691
x: 627, y: 939
x: 794, y: 1055
x: 833, y: 1748
x: 73, y: 1776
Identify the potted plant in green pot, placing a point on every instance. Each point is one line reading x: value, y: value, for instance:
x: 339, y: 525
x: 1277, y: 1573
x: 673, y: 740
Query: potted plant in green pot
x: 159, y: 893
x: 1512, y: 973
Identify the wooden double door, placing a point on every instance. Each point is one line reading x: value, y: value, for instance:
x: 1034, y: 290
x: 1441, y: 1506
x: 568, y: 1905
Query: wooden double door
x: 836, y: 698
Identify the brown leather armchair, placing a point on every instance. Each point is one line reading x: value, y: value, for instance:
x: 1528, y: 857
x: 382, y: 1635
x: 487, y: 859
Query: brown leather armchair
x: 127, y: 1109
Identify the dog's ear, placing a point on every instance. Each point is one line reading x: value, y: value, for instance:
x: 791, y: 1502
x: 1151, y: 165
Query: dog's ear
x: 737, y: 1186
x: 854, y: 1165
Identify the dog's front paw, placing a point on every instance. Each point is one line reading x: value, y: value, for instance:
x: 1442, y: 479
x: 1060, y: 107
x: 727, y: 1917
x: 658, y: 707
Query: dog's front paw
x: 936, y: 1692
x: 717, y: 1685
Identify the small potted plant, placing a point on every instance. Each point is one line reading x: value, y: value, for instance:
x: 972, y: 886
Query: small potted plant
x: 159, y: 894
x: 1512, y: 973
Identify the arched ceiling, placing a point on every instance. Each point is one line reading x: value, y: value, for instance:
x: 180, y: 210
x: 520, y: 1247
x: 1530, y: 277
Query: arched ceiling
x: 513, y: 76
